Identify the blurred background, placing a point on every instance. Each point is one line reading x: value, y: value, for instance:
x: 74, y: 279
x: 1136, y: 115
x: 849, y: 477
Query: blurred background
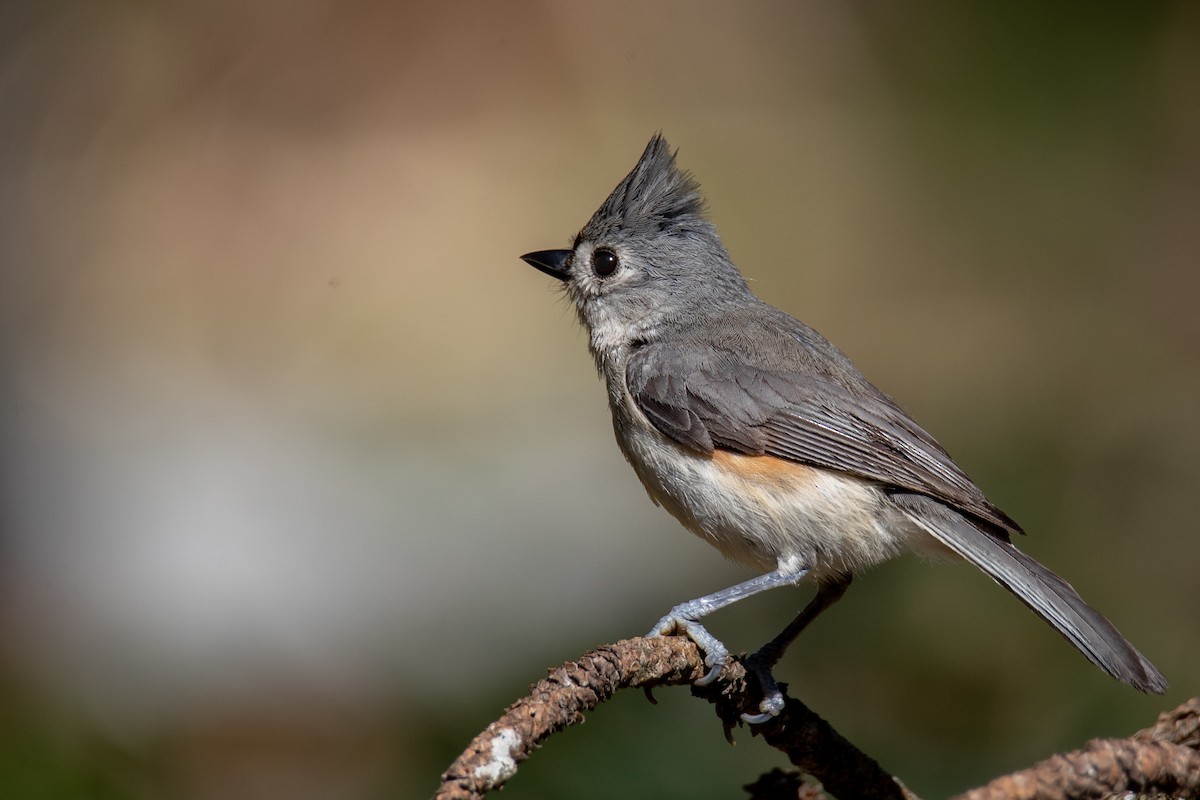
x: 306, y: 476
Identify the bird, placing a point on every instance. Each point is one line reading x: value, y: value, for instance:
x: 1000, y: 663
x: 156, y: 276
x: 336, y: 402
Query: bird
x: 766, y: 441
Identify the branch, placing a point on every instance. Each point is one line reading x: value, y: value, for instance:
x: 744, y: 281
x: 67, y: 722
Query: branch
x: 1162, y: 759
x: 559, y: 701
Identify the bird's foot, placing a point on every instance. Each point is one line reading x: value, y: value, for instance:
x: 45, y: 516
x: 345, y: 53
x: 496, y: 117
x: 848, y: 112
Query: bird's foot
x: 716, y: 655
x: 772, y: 703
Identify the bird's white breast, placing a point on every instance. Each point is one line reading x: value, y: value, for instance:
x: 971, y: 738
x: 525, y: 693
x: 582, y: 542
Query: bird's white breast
x: 765, y: 511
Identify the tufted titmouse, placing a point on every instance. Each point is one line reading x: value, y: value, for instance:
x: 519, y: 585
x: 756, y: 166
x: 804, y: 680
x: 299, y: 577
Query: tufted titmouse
x: 764, y: 440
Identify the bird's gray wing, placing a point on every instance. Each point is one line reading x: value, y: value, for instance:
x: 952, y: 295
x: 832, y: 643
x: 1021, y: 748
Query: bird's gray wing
x: 707, y: 402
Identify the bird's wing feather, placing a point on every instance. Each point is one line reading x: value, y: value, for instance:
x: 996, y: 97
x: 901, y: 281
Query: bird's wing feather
x: 705, y: 402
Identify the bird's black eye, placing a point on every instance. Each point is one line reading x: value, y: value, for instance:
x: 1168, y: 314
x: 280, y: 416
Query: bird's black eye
x: 604, y: 262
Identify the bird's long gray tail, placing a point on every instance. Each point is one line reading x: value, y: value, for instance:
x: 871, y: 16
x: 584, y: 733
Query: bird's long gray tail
x: 1049, y: 596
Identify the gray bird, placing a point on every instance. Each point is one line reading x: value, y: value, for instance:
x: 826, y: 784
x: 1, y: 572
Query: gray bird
x: 764, y: 440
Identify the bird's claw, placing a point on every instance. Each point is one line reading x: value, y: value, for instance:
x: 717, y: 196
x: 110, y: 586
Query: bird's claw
x: 716, y: 655
x: 711, y: 675
x: 770, y: 707
x: 772, y: 703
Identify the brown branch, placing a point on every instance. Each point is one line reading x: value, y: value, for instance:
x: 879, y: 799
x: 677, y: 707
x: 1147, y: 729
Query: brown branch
x: 1163, y: 759
x: 1178, y: 726
x: 559, y: 701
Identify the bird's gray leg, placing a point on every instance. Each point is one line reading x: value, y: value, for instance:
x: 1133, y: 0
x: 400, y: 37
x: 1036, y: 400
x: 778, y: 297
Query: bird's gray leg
x: 767, y: 656
x: 684, y: 618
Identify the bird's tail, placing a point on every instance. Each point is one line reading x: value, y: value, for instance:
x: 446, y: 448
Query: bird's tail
x: 1049, y: 596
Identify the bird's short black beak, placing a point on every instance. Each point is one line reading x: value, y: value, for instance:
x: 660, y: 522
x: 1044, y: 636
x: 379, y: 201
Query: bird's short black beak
x: 551, y: 262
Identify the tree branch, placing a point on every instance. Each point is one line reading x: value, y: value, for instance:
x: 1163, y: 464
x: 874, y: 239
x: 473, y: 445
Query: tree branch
x: 559, y: 701
x: 1164, y: 758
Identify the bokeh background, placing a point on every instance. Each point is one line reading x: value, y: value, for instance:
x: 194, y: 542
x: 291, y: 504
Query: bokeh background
x: 306, y: 475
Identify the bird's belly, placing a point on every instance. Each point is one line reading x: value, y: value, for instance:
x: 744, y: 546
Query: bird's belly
x: 769, y: 512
